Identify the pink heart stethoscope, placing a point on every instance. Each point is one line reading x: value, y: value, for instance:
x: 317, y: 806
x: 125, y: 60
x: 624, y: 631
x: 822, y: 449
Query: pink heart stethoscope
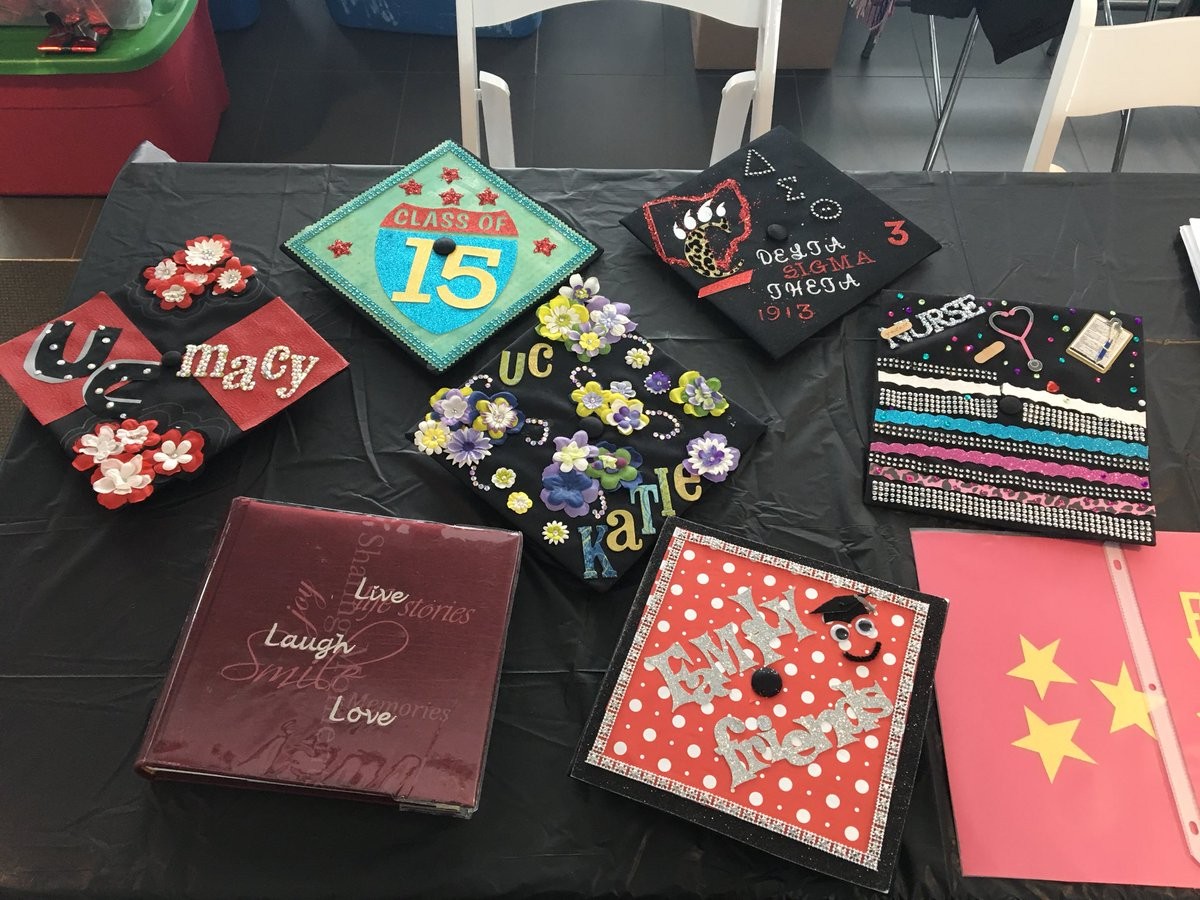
x: 1034, y: 365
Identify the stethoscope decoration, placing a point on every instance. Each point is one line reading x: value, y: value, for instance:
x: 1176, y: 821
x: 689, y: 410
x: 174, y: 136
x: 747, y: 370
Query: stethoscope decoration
x: 1034, y: 365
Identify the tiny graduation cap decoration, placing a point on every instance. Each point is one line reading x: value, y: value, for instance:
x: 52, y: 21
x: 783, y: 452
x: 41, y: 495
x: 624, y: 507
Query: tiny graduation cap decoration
x: 142, y: 388
x: 785, y: 709
x: 442, y: 254
x: 779, y: 240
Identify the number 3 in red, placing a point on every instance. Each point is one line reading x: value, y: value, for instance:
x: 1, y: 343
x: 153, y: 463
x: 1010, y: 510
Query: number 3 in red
x: 899, y: 236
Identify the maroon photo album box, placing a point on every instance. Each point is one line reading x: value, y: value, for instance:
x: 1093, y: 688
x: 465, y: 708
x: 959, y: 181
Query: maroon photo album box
x: 314, y: 658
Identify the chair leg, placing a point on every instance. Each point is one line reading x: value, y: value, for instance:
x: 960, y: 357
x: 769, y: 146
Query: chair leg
x: 736, y: 97
x: 936, y: 62
x: 960, y: 72
x: 1126, y: 114
x: 497, y: 120
x: 869, y: 46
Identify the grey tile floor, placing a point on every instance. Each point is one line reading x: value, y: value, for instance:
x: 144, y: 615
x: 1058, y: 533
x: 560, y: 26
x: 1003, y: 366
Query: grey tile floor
x: 610, y: 85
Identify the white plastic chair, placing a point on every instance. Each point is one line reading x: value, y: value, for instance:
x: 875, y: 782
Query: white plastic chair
x: 1102, y: 69
x: 483, y: 88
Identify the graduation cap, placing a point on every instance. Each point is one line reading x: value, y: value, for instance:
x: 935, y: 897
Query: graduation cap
x: 844, y: 608
x: 779, y: 240
x: 442, y: 254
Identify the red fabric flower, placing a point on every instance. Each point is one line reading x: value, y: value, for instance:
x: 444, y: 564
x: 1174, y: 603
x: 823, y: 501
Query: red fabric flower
x: 178, y: 292
x: 233, y: 277
x: 117, y: 482
x: 203, y: 253
x: 176, y: 453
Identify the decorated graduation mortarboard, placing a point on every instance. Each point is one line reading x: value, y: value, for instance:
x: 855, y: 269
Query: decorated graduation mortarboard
x: 1016, y: 415
x: 734, y: 703
x: 143, y: 387
x: 585, y: 436
x: 442, y: 254
x: 779, y: 240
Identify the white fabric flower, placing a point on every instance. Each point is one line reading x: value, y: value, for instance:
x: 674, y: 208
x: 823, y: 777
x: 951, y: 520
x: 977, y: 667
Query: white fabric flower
x: 229, y: 279
x: 129, y: 436
x: 166, y: 269
x: 431, y: 437
x: 170, y: 455
x: 207, y: 252
x: 101, y: 446
x: 176, y: 293
x: 579, y: 290
x: 121, y: 477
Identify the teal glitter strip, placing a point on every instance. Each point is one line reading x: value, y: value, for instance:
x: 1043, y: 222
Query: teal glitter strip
x: 439, y: 361
x: 1014, y: 433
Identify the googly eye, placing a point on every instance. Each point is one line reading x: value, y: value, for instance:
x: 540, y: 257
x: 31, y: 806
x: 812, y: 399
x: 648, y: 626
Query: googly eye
x: 865, y: 627
x: 839, y: 632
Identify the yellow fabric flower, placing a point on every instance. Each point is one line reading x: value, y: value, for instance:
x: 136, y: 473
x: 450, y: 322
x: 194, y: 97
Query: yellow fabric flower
x: 558, y: 317
x: 519, y: 502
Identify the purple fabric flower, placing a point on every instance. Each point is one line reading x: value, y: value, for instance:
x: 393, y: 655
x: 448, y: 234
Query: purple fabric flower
x: 574, y: 452
x: 467, y: 446
x: 610, y: 319
x: 572, y: 492
x: 658, y: 382
x: 452, y: 408
x: 711, y: 456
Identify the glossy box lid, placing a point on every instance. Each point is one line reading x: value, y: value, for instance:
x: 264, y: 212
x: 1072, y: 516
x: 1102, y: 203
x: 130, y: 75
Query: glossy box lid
x: 340, y: 652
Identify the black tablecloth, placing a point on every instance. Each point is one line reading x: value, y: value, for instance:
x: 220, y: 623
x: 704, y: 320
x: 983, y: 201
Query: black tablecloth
x: 91, y: 601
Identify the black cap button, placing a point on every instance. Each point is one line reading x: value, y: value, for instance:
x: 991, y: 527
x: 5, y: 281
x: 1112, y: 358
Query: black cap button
x: 766, y: 682
x: 777, y: 232
x: 1009, y: 405
x: 172, y: 359
x: 443, y: 246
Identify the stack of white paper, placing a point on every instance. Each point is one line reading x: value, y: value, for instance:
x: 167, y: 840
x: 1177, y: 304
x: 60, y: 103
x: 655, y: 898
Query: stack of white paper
x: 1191, y: 240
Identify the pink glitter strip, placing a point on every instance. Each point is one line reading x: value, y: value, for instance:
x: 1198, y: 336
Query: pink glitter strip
x: 1014, y: 463
x: 1054, y: 501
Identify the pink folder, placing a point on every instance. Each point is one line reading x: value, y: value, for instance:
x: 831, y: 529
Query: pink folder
x: 1069, y: 695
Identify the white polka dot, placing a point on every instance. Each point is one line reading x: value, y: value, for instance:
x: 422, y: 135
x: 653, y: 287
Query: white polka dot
x: 844, y: 646
x: 897, y: 621
x: 664, y: 625
x: 755, y: 798
x: 862, y: 671
x: 843, y: 755
x: 636, y: 705
x: 728, y: 567
x: 802, y: 816
x: 694, y: 751
x: 717, y: 602
x: 790, y: 669
x: 832, y: 801
x: 851, y: 714
x: 689, y: 555
x: 861, y: 786
x: 649, y: 734
x: 808, y: 696
x: 814, y: 769
x: 826, y: 727
x: 707, y: 709
x: 664, y: 765
x: 818, y: 656
x: 619, y: 748
x: 735, y: 695
x: 710, y: 781
x: 664, y: 692
x: 690, y: 615
x: 851, y: 833
x: 871, y: 741
x: 752, y: 723
x: 811, y: 594
x: 785, y: 784
x: 678, y: 721
x: 769, y: 580
x: 702, y: 578
x: 776, y: 643
x: 889, y: 659
x: 779, y: 710
x: 834, y: 682
x: 676, y: 589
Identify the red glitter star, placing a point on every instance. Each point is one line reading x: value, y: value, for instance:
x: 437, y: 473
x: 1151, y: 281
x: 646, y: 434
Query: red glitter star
x: 449, y: 175
x: 450, y: 197
x: 543, y: 245
x: 411, y: 187
x: 340, y: 248
x: 487, y: 197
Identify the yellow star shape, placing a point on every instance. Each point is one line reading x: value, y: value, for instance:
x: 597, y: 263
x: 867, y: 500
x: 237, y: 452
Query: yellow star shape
x: 1130, y: 706
x: 1039, y: 666
x: 1052, y: 741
